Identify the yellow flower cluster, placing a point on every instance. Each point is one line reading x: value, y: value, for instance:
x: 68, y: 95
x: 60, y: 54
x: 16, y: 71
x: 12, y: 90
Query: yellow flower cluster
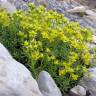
x: 46, y: 40
x: 4, y: 19
x: 49, y: 36
x: 37, y: 55
x: 86, y: 57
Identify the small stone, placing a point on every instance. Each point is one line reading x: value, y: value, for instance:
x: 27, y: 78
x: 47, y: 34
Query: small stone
x: 47, y: 85
x: 78, y: 91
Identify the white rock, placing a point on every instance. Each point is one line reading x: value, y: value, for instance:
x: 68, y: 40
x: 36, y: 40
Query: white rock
x: 47, y: 85
x: 77, y: 9
x: 15, y: 79
x: 78, y: 91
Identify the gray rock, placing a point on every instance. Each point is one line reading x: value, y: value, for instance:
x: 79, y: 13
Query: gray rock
x: 47, y: 85
x: 15, y: 79
x: 89, y: 81
x: 78, y: 91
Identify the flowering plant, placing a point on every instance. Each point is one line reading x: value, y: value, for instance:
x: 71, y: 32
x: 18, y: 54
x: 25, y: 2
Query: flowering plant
x: 49, y: 41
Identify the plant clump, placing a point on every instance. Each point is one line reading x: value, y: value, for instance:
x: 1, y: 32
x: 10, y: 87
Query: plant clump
x: 46, y: 40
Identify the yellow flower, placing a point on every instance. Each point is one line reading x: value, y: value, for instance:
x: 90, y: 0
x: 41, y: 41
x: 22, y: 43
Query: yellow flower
x: 56, y: 61
x: 63, y: 37
x: 73, y: 57
x: 32, y: 33
x: 44, y: 34
x: 35, y: 55
x: 26, y: 44
x: 70, y: 70
x: 79, y: 36
x: 4, y: 19
x: 86, y: 57
x: 62, y: 72
x: 74, y: 77
x: 74, y: 43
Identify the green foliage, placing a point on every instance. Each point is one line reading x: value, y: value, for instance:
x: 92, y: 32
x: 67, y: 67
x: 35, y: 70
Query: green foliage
x: 81, y: 14
x: 46, y: 40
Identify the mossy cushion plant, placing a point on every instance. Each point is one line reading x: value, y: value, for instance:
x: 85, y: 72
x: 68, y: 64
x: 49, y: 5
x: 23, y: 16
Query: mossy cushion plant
x: 46, y: 40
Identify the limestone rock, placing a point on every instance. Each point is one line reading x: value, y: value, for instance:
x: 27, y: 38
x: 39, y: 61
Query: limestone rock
x: 15, y: 79
x: 47, y: 85
x: 78, y: 91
